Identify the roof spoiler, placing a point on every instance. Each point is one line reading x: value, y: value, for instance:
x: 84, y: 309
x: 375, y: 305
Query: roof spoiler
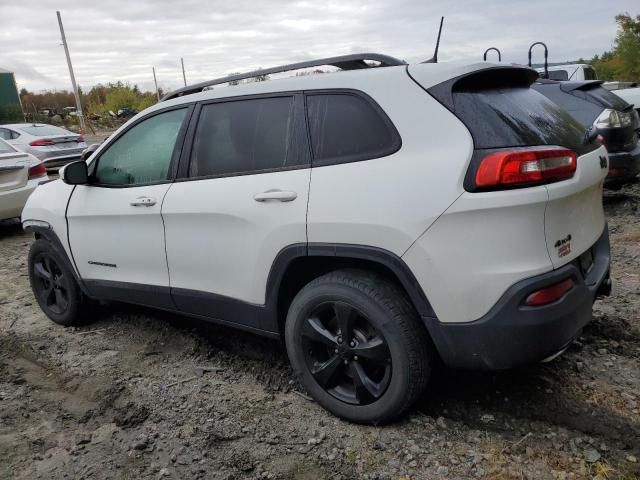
x: 492, y: 77
x: 586, y: 85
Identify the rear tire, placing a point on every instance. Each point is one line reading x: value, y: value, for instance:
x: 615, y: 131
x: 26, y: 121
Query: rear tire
x: 376, y: 370
x: 54, y: 285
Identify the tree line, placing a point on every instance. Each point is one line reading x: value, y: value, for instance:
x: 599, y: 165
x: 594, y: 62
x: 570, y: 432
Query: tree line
x: 97, y: 102
x: 622, y: 62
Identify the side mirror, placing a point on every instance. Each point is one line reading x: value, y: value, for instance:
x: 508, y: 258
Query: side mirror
x: 87, y: 152
x: 75, y: 173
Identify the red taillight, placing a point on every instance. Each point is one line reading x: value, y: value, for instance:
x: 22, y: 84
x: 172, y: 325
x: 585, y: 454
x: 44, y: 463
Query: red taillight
x: 42, y: 142
x: 549, y: 294
x: 616, y: 172
x: 530, y: 166
x: 36, y: 171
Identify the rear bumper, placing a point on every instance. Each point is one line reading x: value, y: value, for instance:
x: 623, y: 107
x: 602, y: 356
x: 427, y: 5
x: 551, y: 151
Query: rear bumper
x: 623, y: 166
x: 13, y: 201
x: 54, y: 164
x: 512, y: 334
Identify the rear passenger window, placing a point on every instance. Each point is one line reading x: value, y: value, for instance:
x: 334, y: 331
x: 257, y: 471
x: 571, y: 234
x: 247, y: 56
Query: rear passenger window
x: 347, y: 127
x: 243, y: 136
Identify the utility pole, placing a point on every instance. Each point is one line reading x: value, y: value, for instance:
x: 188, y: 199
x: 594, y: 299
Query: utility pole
x: 156, y: 82
x: 184, y: 77
x: 83, y: 127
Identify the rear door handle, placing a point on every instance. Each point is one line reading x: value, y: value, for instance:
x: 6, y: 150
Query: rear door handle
x: 279, y: 195
x: 143, y: 202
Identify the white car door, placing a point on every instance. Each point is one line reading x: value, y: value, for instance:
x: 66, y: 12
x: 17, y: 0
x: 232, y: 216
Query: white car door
x: 115, y: 227
x: 243, y: 200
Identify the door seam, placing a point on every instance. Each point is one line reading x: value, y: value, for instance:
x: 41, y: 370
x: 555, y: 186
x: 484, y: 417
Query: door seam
x: 166, y: 255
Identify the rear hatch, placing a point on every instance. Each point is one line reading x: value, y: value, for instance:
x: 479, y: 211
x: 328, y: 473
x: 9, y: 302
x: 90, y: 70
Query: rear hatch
x: 14, y: 168
x: 512, y: 124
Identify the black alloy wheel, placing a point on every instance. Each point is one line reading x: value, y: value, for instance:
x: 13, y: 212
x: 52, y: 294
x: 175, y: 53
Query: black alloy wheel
x: 51, y: 284
x: 54, y: 285
x: 345, y: 354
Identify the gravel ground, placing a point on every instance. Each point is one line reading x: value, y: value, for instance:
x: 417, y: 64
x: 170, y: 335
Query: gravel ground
x: 120, y: 398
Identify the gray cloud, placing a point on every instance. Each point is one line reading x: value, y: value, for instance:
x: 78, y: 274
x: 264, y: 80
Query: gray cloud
x: 123, y: 39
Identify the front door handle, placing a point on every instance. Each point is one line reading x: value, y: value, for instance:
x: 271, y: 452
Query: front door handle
x: 279, y: 195
x: 143, y: 202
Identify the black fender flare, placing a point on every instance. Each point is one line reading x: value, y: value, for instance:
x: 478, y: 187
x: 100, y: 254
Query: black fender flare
x: 52, y: 237
x: 383, y: 257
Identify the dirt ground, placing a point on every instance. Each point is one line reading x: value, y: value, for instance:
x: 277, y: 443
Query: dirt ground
x: 119, y: 398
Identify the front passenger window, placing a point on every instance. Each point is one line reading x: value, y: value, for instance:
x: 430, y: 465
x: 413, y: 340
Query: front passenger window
x: 143, y: 154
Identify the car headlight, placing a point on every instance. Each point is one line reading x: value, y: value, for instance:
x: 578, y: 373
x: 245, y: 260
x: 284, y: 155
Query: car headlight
x: 613, y: 119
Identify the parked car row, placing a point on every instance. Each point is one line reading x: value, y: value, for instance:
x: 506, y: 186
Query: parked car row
x: 432, y: 183
x: 604, y: 114
x: 55, y: 146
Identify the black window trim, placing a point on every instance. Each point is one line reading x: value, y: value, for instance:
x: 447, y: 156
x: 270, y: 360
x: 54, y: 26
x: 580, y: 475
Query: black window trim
x: 186, y: 158
x: 175, y: 156
x: 396, y: 138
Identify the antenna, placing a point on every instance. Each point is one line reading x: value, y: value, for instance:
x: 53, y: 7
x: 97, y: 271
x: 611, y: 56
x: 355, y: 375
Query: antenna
x: 434, y: 59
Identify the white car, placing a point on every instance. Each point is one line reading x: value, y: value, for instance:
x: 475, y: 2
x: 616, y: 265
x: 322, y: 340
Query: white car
x: 20, y: 174
x: 630, y: 95
x: 55, y: 146
x: 576, y: 72
x: 375, y: 218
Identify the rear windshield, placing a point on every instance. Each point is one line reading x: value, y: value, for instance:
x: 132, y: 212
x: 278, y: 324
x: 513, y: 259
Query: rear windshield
x: 607, y: 98
x: 516, y: 117
x: 558, y: 75
x: 45, y: 130
x: 5, y: 147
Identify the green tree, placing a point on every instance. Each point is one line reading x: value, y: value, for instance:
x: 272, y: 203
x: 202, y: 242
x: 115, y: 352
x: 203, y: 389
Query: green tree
x: 623, y: 61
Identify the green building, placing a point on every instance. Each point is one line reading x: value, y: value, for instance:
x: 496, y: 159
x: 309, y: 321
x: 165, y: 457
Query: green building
x: 10, y: 107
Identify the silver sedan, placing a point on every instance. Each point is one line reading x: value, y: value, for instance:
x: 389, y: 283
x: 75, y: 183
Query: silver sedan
x: 53, y: 145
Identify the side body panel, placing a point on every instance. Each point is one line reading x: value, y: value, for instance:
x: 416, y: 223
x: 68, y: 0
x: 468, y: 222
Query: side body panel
x: 388, y: 202
x: 222, y: 241
x: 48, y: 203
x: 115, y: 241
x: 483, y: 244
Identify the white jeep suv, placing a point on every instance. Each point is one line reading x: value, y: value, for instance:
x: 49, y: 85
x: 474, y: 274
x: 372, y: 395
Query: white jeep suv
x: 374, y: 218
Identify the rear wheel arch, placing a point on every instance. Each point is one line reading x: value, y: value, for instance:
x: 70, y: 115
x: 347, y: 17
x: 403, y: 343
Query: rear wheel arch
x: 297, y: 265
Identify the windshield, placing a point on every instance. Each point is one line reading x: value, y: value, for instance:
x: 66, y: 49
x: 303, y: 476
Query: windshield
x: 608, y: 98
x: 45, y: 130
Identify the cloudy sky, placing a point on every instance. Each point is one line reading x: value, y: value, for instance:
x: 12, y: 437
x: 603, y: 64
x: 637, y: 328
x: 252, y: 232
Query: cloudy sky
x: 122, y: 39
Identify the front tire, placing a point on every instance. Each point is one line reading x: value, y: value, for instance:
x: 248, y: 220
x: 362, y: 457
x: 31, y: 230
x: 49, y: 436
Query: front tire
x: 357, y: 346
x: 54, y: 285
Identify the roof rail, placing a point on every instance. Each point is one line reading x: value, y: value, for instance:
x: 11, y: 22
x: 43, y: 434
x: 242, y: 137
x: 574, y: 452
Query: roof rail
x: 344, y: 62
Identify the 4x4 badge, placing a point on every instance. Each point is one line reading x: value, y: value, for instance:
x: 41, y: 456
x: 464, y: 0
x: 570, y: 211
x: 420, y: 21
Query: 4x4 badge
x: 564, y: 246
x: 603, y: 161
